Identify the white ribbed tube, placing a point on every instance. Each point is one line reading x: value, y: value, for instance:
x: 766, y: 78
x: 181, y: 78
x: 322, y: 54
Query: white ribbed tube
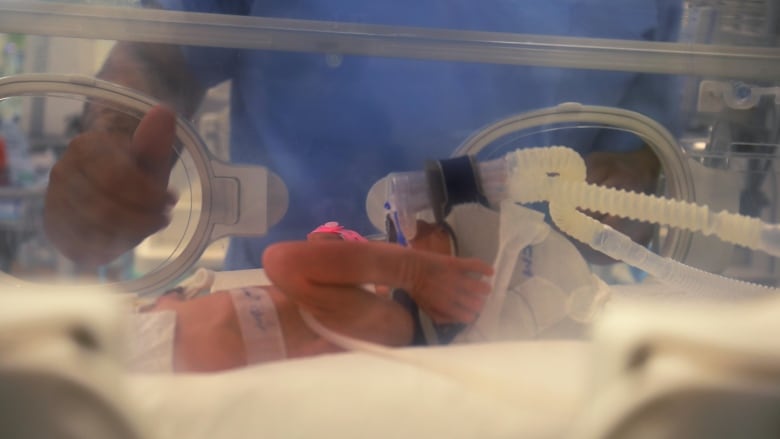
x: 557, y: 175
x: 734, y: 228
x: 692, y: 281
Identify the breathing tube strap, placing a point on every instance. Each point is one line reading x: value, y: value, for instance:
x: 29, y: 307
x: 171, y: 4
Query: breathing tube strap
x: 451, y: 182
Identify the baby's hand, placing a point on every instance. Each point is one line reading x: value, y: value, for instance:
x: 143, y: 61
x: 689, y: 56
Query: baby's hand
x: 448, y: 289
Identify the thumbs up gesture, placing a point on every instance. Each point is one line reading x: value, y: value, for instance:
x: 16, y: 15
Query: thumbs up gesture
x: 109, y: 190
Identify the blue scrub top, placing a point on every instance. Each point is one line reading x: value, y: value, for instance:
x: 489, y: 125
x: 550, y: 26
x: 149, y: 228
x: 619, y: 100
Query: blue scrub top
x: 331, y: 126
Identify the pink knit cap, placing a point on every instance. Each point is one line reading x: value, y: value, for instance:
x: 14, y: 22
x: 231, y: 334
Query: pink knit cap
x: 337, y: 229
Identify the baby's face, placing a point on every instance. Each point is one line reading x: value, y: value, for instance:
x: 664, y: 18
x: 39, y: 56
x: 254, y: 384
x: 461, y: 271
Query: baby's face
x: 432, y: 237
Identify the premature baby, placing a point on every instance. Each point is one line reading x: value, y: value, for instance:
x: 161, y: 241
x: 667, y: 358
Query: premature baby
x: 337, y: 276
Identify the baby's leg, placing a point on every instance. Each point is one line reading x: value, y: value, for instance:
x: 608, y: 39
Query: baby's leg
x: 244, y: 326
x: 351, y: 311
x: 207, y: 333
x: 273, y: 329
x: 238, y: 327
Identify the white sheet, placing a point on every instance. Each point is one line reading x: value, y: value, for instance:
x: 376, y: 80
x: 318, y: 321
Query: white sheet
x: 501, y: 390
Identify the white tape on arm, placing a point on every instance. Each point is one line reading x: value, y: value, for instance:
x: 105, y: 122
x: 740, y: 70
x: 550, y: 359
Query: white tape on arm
x: 260, y: 327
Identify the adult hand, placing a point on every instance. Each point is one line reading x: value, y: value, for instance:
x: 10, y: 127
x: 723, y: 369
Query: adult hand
x: 109, y: 189
x: 635, y: 171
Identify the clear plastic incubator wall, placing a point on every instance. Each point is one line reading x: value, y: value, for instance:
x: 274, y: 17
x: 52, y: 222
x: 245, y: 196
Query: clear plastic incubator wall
x: 609, y: 164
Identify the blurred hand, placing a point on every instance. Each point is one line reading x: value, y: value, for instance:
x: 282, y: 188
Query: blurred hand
x: 449, y: 289
x: 109, y: 191
x: 635, y: 171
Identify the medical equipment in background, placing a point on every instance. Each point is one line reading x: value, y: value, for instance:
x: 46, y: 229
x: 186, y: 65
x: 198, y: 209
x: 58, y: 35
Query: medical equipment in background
x: 20, y: 214
x: 732, y: 130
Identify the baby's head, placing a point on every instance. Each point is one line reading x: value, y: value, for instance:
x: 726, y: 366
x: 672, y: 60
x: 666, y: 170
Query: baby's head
x: 437, y: 238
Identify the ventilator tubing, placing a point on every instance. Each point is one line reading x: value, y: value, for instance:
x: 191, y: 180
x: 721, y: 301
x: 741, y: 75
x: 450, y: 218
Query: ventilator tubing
x: 557, y: 175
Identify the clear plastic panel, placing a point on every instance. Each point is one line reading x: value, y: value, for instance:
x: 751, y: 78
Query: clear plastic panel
x: 343, y: 95
x: 346, y: 94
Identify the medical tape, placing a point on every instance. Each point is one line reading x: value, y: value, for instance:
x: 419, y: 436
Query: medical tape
x: 259, y: 322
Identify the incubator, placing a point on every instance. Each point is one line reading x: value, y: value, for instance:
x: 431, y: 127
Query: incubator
x: 486, y: 117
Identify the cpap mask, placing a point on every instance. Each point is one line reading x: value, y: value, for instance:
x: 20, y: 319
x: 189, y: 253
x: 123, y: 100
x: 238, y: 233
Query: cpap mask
x: 222, y: 199
x: 531, y: 294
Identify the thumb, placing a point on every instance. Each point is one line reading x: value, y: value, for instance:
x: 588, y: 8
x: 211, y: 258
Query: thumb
x: 152, y: 142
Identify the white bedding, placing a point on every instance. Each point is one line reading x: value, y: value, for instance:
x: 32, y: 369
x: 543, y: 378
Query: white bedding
x: 501, y: 390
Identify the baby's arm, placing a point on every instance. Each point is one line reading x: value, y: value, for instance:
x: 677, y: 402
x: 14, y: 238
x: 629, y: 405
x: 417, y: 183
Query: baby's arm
x: 315, y: 275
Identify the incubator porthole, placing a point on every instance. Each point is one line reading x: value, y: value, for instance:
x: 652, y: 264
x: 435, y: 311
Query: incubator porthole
x: 28, y: 253
x: 575, y: 124
x: 54, y: 104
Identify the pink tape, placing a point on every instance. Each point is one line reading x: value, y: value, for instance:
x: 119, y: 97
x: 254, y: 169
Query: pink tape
x: 337, y: 229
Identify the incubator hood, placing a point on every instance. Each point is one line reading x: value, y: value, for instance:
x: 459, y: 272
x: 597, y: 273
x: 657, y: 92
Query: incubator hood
x: 236, y: 200
x: 717, y: 119
x: 231, y: 200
